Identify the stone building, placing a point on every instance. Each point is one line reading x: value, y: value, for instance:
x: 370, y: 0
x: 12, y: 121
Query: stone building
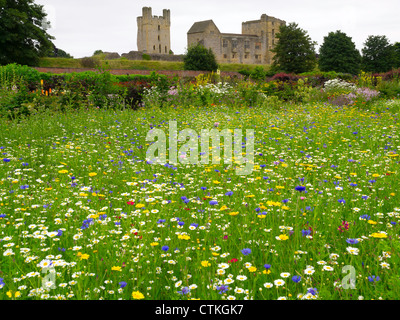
x: 154, y: 32
x: 252, y: 46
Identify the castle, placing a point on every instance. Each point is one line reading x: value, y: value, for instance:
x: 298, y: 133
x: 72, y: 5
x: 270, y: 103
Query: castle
x: 252, y: 46
x: 154, y: 32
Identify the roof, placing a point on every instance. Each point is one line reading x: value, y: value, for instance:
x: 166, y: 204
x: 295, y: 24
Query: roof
x: 201, y: 26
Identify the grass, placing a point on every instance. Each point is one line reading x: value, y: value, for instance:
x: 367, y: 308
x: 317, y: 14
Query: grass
x: 133, y: 64
x: 76, y: 190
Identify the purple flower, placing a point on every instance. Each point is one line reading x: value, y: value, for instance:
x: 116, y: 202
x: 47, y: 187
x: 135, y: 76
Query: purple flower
x: 122, y: 284
x: 296, y: 279
x: 164, y: 248
x: 229, y: 193
x: 213, y: 202
x: 267, y: 266
x: 246, y: 251
x: 373, y: 278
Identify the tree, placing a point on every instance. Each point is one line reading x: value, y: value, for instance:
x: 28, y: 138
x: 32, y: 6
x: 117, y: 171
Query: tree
x: 295, y: 51
x: 200, y: 58
x: 339, y: 53
x: 378, y: 54
x: 23, y: 36
x: 59, y: 53
x: 396, y: 48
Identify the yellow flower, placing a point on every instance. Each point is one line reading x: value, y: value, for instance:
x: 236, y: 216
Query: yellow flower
x: 137, y: 295
x: 216, y: 182
x: 224, y: 207
x: 184, y: 237
x: 139, y: 205
x: 252, y: 269
x: 63, y: 171
x: 392, y: 194
x: 283, y: 237
x: 83, y: 256
x: 375, y: 175
x: 9, y: 294
x: 205, y: 263
x: 92, y: 174
x: 266, y: 271
x: 116, y: 268
x: 380, y: 235
x: 153, y: 244
x: 372, y: 222
x: 233, y: 213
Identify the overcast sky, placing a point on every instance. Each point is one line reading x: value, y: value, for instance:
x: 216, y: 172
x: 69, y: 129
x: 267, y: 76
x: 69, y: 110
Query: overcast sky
x: 83, y: 26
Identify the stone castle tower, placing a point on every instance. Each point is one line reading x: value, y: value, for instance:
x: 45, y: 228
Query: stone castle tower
x: 154, y: 32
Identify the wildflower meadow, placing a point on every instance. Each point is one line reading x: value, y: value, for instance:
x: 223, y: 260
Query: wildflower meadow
x: 86, y: 215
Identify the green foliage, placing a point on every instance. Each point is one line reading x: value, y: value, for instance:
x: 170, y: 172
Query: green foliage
x: 339, y: 53
x: 146, y: 57
x: 295, y: 51
x: 378, y: 55
x: 59, y: 53
x: 90, y: 62
x: 23, y: 36
x: 200, y: 58
x: 97, y: 52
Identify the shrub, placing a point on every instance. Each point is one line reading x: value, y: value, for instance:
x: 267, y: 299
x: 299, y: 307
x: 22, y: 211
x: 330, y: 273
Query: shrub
x: 90, y: 62
x: 199, y: 58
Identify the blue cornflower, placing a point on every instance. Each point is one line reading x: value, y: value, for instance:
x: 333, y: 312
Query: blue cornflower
x: 2, y: 284
x: 313, y: 291
x: 59, y: 234
x: 164, y: 248
x: 161, y: 220
x: 181, y: 223
x: 6, y: 160
x: 229, y: 193
x: 185, y: 290
x: 296, y: 279
x: 365, y: 217
x: 246, y: 251
x: 213, y: 202
x: 267, y: 266
x: 194, y: 225
x: 122, y: 284
x: 305, y: 232
x: 2, y: 215
x: 373, y: 278
x: 342, y: 201
x: 352, y: 241
x: 300, y: 188
x: 203, y: 188
x: 222, y: 289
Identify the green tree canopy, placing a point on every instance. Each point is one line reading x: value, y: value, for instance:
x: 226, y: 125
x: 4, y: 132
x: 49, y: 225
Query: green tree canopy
x: 295, y: 50
x: 396, y: 48
x: 23, y: 36
x: 378, y: 55
x: 339, y: 53
x: 200, y: 58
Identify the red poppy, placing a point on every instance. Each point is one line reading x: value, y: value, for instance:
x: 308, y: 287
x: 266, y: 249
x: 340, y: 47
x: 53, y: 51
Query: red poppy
x: 131, y: 203
x: 233, y: 260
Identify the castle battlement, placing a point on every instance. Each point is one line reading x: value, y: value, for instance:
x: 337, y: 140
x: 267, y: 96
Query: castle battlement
x: 154, y: 32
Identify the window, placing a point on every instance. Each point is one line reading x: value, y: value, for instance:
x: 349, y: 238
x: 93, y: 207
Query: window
x: 234, y: 44
x: 158, y: 38
x: 225, y: 56
x: 159, y: 28
x: 247, y: 44
x: 154, y: 48
x: 166, y: 49
x: 159, y: 48
x: 258, y: 45
x: 273, y: 33
x: 233, y: 56
x: 246, y: 56
x: 224, y: 43
x: 257, y: 56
